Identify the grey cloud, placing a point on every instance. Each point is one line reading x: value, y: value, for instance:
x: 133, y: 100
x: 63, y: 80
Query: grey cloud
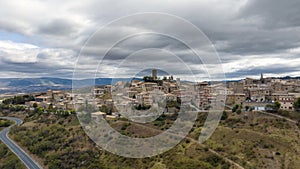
x: 58, y: 27
x: 273, y: 13
x: 128, y: 46
x: 262, y: 42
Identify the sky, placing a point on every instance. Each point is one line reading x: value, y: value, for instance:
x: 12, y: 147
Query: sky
x: 45, y: 38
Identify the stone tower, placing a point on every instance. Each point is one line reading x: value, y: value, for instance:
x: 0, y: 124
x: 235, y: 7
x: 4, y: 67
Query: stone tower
x: 154, y: 74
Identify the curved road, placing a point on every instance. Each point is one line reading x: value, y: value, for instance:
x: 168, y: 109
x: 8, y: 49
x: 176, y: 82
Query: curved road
x: 24, y: 157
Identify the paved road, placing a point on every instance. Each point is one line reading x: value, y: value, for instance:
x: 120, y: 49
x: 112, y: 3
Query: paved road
x: 24, y: 157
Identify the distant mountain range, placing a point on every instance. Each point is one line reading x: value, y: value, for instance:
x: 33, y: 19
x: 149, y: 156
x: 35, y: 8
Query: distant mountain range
x: 29, y: 85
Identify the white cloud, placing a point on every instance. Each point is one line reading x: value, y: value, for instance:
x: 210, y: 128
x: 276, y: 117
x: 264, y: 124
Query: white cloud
x: 18, y: 52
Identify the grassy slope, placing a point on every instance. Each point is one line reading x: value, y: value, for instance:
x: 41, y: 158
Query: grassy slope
x: 259, y: 142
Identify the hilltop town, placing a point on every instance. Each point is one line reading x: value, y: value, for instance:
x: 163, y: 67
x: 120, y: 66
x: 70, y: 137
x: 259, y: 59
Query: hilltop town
x: 245, y: 95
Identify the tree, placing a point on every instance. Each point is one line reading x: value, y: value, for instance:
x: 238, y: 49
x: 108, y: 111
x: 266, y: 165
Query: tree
x: 247, y: 108
x: 148, y: 79
x: 297, y: 104
x: 273, y: 107
x: 277, y: 106
x: 224, y: 115
x: 19, y: 100
x: 8, y: 101
x: 50, y: 107
x: 34, y: 105
x: 235, y: 107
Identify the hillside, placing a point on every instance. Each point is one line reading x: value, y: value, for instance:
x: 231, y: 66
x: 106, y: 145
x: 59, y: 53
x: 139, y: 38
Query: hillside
x: 261, y: 141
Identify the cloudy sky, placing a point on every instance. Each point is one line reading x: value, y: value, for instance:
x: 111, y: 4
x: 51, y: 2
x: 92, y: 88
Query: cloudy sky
x: 43, y: 38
